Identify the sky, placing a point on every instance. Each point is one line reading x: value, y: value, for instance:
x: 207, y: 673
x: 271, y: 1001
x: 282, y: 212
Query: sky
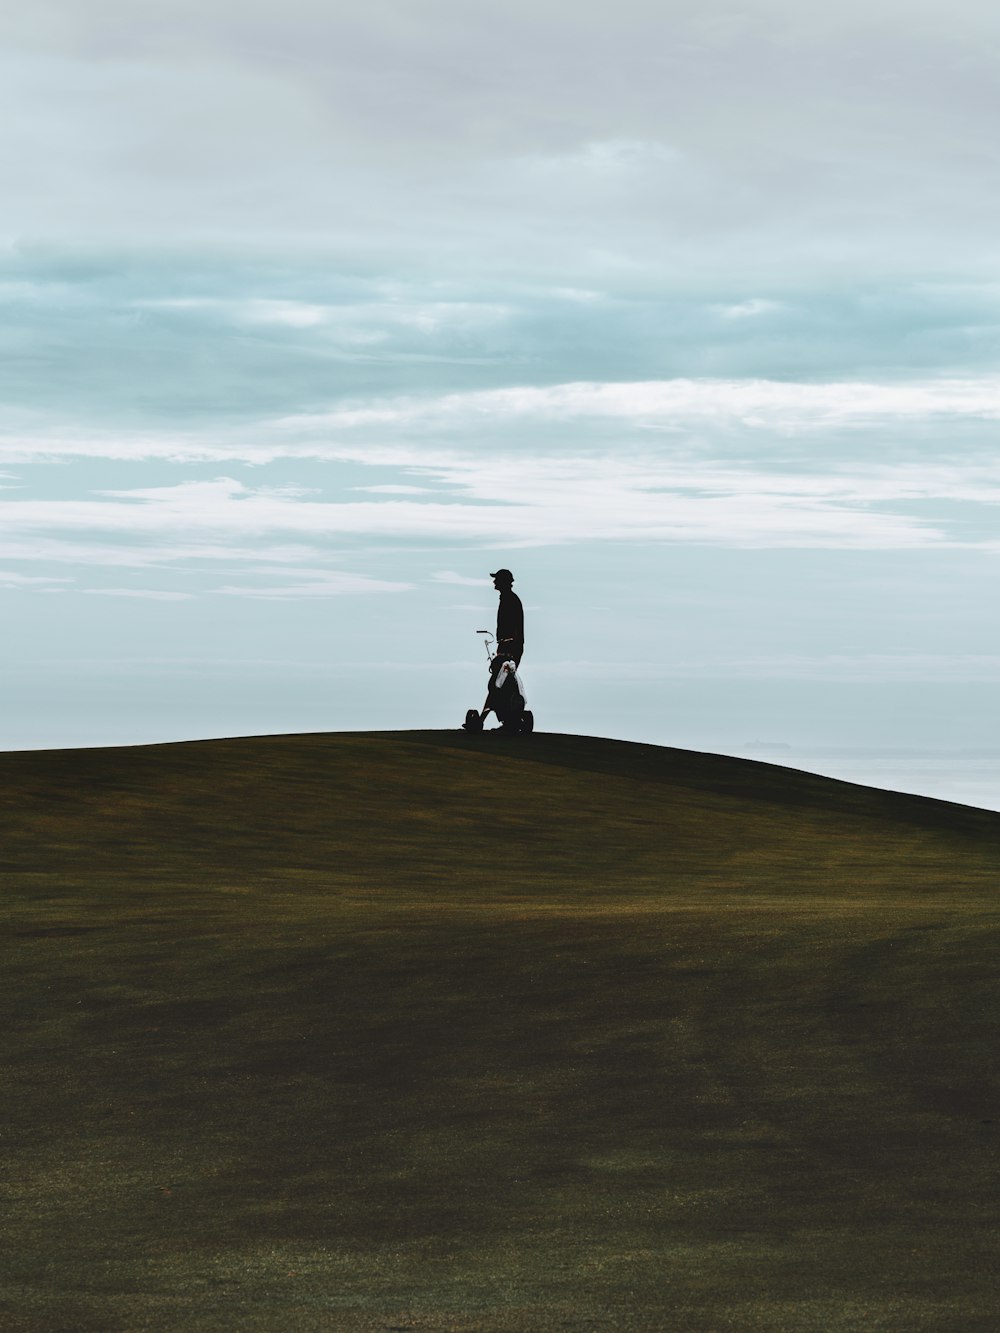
x: 688, y: 313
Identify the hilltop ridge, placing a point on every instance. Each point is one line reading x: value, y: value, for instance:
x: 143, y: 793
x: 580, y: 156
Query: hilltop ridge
x: 409, y: 806
x: 419, y: 1030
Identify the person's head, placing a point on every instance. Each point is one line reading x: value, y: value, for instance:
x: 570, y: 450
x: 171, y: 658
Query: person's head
x: 502, y: 579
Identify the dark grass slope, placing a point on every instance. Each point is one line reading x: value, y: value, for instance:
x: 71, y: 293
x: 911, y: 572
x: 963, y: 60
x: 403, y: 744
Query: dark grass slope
x: 427, y: 1031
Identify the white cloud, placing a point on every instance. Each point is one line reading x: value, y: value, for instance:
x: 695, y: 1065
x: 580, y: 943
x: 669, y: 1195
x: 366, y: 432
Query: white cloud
x: 363, y: 323
x: 598, y: 166
x: 642, y: 489
x: 447, y: 576
x: 544, y: 501
x: 324, y: 583
x: 9, y: 579
x: 393, y: 490
x: 254, y: 310
x: 58, y: 550
x: 148, y: 594
x: 379, y: 431
x: 766, y: 404
x: 750, y: 309
x: 290, y: 314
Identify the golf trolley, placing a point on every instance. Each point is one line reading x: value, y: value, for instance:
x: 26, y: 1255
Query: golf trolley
x: 504, y: 695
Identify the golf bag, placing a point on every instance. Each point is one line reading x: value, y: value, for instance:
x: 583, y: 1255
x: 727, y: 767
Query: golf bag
x: 505, y: 696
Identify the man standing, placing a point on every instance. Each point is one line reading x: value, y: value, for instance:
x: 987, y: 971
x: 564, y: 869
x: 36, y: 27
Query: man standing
x: 510, y: 617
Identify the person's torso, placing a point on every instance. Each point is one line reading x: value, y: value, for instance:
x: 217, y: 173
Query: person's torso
x: 510, y: 617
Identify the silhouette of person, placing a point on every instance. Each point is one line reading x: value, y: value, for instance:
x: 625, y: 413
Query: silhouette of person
x: 510, y: 617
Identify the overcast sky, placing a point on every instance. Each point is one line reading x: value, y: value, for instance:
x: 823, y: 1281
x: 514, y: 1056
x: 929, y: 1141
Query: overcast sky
x: 312, y: 314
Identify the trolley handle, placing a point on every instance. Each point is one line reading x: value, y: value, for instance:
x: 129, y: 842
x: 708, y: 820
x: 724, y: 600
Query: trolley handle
x: 487, y: 641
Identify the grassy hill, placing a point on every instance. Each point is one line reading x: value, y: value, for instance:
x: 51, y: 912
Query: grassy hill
x: 425, y: 1031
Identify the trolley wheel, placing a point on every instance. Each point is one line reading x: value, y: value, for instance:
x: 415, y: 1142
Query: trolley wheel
x: 473, y: 722
x: 527, y: 722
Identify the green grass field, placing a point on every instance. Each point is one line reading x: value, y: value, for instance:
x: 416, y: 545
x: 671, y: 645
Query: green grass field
x: 424, y: 1031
